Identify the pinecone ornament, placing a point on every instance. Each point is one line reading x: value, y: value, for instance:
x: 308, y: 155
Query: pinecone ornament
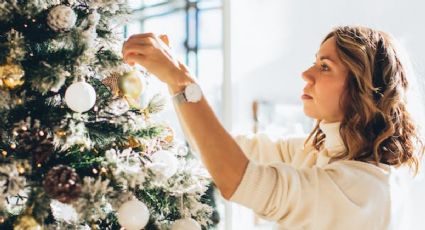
x: 35, y: 141
x: 112, y: 83
x: 61, y: 18
x: 62, y: 183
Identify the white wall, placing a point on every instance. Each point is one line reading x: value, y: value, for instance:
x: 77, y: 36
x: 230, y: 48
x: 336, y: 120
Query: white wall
x: 273, y: 41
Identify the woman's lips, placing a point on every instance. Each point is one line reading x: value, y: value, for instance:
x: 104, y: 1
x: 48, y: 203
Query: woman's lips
x: 306, y: 97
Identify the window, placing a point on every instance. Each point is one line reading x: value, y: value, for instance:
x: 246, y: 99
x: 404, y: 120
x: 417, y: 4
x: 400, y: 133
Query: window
x: 195, y: 31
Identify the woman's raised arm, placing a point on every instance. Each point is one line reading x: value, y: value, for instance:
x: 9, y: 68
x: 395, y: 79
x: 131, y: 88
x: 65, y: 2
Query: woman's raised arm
x: 220, y: 153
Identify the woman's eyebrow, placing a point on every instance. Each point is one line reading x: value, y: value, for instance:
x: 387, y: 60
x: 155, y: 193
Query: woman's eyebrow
x: 325, y: 57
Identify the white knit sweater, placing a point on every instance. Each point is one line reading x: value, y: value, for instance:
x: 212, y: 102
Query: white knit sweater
x: 297, y: 187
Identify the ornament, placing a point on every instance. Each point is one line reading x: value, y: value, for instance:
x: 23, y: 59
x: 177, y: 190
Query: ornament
x: 62, y: 183
x: 186, y: 224
x: 133, y: 143
x: 112, y: 83
x: 165, y: 163
x: 11, y: 76
x: 80, y: 97
x: 182, y: 151
x: 133, y: 215
x: 129, y: 85
x: 169, y: 135
x: 35, y: 141
x: 26, y: 222
x: 61, y: 18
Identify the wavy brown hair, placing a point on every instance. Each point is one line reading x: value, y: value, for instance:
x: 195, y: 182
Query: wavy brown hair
x: 377, y: 126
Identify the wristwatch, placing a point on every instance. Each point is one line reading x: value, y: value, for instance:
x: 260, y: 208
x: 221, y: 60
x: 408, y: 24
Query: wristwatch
x: 192, y: 93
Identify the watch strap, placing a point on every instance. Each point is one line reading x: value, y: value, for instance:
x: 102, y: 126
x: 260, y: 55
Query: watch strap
x: 179, y: 98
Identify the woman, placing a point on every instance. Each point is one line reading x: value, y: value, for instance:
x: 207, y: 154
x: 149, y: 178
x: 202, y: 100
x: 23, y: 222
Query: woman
x: 345, y: 174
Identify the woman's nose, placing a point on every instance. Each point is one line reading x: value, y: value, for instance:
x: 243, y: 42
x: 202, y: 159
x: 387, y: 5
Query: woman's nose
x: 307, y: 75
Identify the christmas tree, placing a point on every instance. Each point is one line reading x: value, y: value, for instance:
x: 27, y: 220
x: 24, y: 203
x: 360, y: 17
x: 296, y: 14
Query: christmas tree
x: 79, y: 149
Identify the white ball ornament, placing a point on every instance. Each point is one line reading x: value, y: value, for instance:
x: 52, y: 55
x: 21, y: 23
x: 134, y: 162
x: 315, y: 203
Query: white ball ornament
x: 133, y: 215
x: 167, y: 163
x: 186, y: 224
x: 80, y: 97
x: 61, y: 18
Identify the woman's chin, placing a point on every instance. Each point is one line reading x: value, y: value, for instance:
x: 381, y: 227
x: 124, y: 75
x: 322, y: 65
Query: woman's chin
x: 310, y: 112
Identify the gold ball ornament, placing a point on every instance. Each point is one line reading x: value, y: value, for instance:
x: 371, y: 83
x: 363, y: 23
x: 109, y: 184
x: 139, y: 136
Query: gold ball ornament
x: 26, y: 222
x: 131, y: 86
x: 11, y: 76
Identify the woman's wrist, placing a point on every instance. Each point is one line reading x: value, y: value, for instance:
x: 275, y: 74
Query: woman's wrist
x: 180, y: 81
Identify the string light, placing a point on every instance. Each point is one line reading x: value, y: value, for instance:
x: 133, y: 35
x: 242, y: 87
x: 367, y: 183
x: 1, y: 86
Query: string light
x: 95, y: 171
x: 4, y: 153
x: 2, y: 219
x: 13, y: 146
x: 103, y: 170
x: 41, y: 133
x: 39, y: 165
x: 21, y: 169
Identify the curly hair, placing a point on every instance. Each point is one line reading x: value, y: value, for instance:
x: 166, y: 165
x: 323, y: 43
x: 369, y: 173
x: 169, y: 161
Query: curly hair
x: 377, y: 127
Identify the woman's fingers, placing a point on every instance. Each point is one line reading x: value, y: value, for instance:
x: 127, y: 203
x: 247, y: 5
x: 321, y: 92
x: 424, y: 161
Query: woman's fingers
x: 145, y: 35
x: 164, y: 38
x: 138, y: 49
x: 133, y: 58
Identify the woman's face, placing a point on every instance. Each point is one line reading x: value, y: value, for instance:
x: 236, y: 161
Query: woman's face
x: 325, y: 84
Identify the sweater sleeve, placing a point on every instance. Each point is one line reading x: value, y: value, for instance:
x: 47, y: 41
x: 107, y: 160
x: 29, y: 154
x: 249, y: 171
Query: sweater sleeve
x: 260, y: 148
x: 297, y: 198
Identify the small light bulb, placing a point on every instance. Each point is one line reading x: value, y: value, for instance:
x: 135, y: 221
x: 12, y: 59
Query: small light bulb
x: 21, y: 170
x: 95, y: 171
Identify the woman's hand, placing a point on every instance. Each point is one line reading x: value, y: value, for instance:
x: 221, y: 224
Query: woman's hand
x: 153, y: 53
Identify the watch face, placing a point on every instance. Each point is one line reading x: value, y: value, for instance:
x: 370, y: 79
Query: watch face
x: 193, y: 93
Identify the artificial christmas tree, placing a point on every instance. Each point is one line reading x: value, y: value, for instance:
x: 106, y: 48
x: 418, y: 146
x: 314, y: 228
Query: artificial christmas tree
x: 79, y: 149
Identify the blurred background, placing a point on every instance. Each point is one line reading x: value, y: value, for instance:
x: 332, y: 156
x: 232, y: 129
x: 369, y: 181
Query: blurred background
x: 248, y: 56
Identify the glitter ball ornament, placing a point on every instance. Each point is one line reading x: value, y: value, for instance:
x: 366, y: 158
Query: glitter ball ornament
x: 61, y: 18
x: 11, y: 76
x: 62, y: 183
x: 133, y: 215
x: 80, y: 97
x: 26, y: 222
x: 186, y: 224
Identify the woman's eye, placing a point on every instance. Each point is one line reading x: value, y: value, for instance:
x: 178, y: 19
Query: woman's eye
x: 324, y: 67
